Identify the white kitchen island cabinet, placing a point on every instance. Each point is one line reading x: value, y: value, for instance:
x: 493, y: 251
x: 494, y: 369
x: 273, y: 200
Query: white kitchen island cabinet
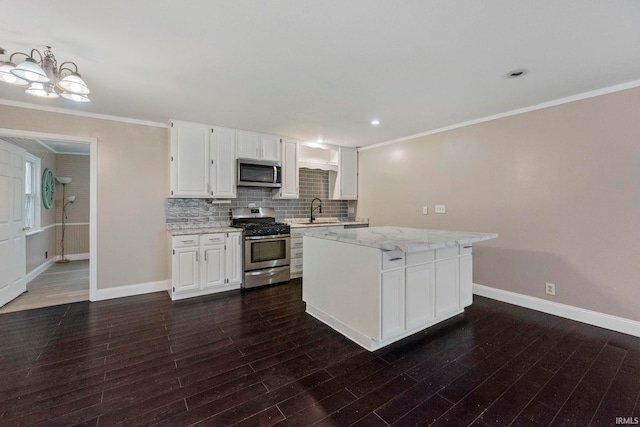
x: 378, y: 285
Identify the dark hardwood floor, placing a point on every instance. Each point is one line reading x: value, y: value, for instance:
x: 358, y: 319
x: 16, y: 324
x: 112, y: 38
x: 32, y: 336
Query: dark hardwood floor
x: 256, y: 359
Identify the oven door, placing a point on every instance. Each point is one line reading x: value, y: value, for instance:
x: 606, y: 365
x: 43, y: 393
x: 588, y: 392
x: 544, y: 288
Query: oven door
x: 266, y: 251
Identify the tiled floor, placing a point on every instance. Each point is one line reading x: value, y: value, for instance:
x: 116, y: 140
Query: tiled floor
x: 255, y: 359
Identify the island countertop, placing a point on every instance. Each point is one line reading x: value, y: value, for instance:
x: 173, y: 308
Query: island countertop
x: 401, y: 238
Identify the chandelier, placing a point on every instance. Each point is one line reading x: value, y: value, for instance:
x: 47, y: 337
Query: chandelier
x: 42, y: 77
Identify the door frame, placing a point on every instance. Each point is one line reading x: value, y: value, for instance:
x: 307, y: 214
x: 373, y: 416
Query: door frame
x: 93, y: 197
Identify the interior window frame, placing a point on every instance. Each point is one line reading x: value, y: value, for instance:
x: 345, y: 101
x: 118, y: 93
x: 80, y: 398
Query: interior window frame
x: 36, y: 180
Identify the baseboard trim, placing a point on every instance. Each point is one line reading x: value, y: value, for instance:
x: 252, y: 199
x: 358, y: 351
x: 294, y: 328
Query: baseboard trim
x: 39, y: 269
x: 602, y: 320
x: 131, y: 290
x: 74, y: 257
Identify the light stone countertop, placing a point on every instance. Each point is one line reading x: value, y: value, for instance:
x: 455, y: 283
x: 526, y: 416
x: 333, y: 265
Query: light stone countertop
x: 178, y: 229
x: 401, y: 238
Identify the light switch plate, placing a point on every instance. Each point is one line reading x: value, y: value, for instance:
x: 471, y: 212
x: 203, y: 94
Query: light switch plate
x: 252, y: 205
x: 425, y: 210
x: 441, y: 209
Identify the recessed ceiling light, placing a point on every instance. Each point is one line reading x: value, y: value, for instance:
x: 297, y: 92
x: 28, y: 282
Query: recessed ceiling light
x: 375, y: 122
x: 516, y: 73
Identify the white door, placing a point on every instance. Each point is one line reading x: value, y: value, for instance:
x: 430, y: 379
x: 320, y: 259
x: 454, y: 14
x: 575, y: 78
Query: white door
x: 348, y: 171
x: 185, y: 269
x: 270, y: 149
x: 12, y: 240
x: 189, y: 159
x: 392, y: 303
x: 212, y: 270
x: 419, y: 303
x: 248, y: 145
x: 233, y: 260
x: 446, y: 287
x: 289, y: 189
x: 223, y: 163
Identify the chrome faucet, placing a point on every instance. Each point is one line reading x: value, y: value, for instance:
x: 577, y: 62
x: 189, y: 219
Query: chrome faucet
x: 319, y: 207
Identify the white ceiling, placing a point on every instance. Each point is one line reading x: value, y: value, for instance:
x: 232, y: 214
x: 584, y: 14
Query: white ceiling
x: 313, y: 69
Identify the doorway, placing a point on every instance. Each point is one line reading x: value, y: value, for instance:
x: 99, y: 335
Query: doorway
x: 60, y: 241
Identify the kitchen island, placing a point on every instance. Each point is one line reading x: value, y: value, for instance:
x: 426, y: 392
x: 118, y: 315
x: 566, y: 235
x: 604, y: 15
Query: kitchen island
x: 378, y: 285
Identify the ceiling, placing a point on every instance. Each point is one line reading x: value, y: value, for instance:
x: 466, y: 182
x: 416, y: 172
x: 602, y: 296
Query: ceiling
x: 324, y: 69
x: 36, y: 146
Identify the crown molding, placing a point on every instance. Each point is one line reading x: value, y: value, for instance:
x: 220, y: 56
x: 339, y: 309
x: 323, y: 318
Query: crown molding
x: 81, y: 113
x: 560, y: 101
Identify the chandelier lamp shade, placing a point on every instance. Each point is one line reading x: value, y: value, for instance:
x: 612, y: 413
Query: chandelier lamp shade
x: 41, y: 76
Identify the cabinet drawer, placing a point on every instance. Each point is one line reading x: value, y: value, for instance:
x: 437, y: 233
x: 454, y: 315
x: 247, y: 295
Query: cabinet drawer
x: 212, y: 239
x: 392, y: 259
x: 422, y: 257
x: 447, y: 252
x: 296, y: 253
x: 296, y: 265
x: 184, y: 241
x: 466, y: 250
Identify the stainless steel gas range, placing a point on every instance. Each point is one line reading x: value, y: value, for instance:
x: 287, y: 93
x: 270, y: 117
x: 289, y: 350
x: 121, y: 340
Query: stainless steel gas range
x: 267, y: 246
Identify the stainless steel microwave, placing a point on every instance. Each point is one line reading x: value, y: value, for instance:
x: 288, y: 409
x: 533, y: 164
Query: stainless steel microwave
x: 259, y: 173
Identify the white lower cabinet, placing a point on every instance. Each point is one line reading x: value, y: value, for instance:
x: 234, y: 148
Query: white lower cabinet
x: 204, y: 264
x: 419, y: 303
x: 419, y: 288
x: 466, y: 276
x: 393, y: 306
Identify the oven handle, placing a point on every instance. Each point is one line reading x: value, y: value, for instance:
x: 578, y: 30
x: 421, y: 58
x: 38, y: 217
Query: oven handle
x: 272, y: 237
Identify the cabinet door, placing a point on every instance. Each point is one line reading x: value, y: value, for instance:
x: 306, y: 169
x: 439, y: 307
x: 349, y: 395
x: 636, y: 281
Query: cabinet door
x: 270, y: 149
x: 223, y: 163
x: 290, y: 187
x: 348, y: 172
x: 446, y: 286
x: 392, y: 303
x: 233, y: 262
x: 185, y: 269
x: 189, y: 145
x: 419, y: 292
x: 248, y: 145
x: 212, y: 267
x: 466, y: 281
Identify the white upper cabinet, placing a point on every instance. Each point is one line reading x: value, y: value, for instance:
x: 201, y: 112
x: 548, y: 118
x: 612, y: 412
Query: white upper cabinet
x: 202, y: 161
x: 252, y: 145
x: 223, y: 162
x: 343, y: 185
x: 248, y: 145
x: 270, y: 147
x: 189, y: 159
x: 290, y: 187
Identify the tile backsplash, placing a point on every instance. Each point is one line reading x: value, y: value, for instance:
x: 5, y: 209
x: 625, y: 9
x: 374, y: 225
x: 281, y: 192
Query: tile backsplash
x: 313, y: 183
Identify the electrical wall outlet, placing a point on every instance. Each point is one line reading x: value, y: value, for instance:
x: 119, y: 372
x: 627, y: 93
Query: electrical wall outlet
x: 441, y: 209
x: 351, y: 210
x: 252, y: 205
x: 425, y: 210
x: 550, y: 288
